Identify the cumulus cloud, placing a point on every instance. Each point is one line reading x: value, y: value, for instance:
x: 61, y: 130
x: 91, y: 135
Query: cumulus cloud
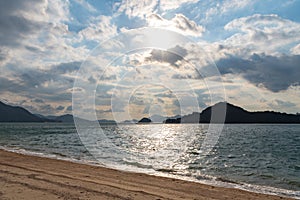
x: 263, y: 33
x: 99, y: 29
x: 179, y: 23
x: 34, y: 33
x: 137, y: 8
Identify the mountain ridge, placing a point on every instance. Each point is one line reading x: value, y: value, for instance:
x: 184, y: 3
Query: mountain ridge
x: 234, y: 114
x: 18, y: 114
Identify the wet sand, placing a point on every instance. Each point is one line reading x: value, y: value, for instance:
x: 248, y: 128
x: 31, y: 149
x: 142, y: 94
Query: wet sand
x: 31, y: 177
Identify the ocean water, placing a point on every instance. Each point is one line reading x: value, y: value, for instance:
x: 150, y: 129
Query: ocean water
x: 262, y: 158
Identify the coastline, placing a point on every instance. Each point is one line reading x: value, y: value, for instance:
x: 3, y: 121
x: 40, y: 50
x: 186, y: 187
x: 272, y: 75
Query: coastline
x: 32, y: 177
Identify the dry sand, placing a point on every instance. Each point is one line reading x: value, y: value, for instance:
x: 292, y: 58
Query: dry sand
x: 30, y: 177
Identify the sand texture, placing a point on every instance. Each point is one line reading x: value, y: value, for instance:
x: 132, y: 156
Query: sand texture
x: 30, y: 177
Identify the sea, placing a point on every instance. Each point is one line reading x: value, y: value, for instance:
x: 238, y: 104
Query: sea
x: 263, y: 158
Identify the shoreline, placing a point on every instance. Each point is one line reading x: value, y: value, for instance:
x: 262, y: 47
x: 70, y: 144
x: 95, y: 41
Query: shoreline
x: 32, y: 177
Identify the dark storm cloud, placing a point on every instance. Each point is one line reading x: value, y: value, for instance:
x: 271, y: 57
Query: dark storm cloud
x: 51, y: 84
x: 38, y: 101
x: 274, y: 73
x: 46, y: 109
x: 92, y: 80
x: 13, y: 25
x: 64, y: 68
x: 195, y: 75
x: 9, y: 85
x: 32, y: 49
x: 3, y: 54
x: 137, y: 99
x: 170, y: 56
x: 166, y: 95
x: 33, y: 78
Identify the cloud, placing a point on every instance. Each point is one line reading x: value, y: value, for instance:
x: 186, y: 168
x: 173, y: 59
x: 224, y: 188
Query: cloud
x: 171, y: 5
x: 225, y: 7
x: 35, y: 34
x: 262, y: 33
x: 38, y: 101
x: 274, y: 73
x: 194, y: 75
x: 178, y: 23
x: 5, y: 55
x: 14, y: 26
x: 142, y: 8
x: 47, y: 108
x: 99, y: 29
x: 165, y: 57
x: 44, y: 42
x: 86, y: 5
x: 165, y: 94
x: 64, y: 68
x: 31, y: 78
x: 42, y: 87
x: 296, y: 50
x: 9, y: 85
x: 19, y: 19
x: 279, y: 104
x: 137, y: 8
x: 173, y: 57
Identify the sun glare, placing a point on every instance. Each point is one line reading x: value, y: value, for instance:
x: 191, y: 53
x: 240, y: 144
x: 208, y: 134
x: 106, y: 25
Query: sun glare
x: 161, y: 38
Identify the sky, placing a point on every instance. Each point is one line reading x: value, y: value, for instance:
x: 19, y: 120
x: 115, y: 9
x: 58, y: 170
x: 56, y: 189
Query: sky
x: 125, y: 59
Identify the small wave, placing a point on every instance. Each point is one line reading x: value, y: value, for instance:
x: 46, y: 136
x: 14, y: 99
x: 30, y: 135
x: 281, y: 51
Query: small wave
x: 166, y: 170
x: 267, y: 176
x: 226, y: 180
x: 60, y: 154
x: 297, y: 167
x: 56, y: 156
x: 294, y: 183
x: 137, y: 164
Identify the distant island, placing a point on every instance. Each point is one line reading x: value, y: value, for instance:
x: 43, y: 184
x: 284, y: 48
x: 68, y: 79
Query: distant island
x: 234, y: 114
x: 144, y: 121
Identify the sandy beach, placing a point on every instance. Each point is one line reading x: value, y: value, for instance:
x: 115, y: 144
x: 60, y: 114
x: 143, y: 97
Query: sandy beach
x: 31, y: 177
